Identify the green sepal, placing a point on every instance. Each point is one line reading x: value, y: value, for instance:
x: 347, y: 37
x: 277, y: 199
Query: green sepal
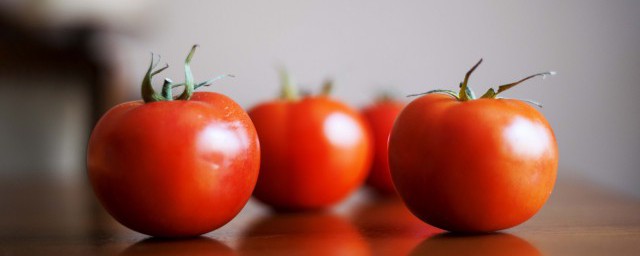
x: 469, y: 92
x: 150, y: 95
x: 537, y: 104
x: 289, y: 88
x: 188, y: 76
x: 465, y: 92
x: 448, y: 92
x: 385, y: 95
x: 205, y: 83
x: 147, y: 91
x: 327, y: 87
x: 491, y: 93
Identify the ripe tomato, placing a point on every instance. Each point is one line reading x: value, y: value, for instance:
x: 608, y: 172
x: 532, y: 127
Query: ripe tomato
x: 473, y: 165
x: 315, y: 151
x: 380, y: 117
x: 174, y: 168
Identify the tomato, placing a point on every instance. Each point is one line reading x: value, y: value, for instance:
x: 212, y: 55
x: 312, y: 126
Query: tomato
x: 472, y: 165
x: 315, y: 151
x: 380, y: 117
x: 174, y: 168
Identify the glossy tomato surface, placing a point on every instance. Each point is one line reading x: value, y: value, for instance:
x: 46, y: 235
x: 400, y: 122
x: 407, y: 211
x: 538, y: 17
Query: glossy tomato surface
x: 315, y: 152
x: 174, y: 168
x: 475, y: 166
x: 380, y: 117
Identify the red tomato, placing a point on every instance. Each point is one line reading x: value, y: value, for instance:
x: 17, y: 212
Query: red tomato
x: 473, y: 165
x: 174, y: 168
x: 315, y: 152
x: 380, y: 117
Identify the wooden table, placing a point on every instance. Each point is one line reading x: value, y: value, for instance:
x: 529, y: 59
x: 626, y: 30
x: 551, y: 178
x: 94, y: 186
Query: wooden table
x: 42, y: 216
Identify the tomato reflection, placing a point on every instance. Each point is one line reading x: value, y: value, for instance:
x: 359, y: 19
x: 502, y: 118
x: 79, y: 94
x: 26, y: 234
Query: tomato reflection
x: 303, y: 234
x: 165, y: 247
x: 389, y: 227
x: 489, y: 244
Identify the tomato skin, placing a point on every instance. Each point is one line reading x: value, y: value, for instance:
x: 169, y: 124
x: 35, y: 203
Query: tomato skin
x: 476, y: 166
x: 380, y: 117
x: 174, y: 168
x: 315, y: 152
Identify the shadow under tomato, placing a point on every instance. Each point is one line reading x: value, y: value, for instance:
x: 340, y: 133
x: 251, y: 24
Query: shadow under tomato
x: 388, y: 226
x: 485, y: 244
x: 170, y: 247
x: 314, y: 233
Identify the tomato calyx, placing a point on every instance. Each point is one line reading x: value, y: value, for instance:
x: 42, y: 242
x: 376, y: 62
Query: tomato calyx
x: 386, y: 96
x: 290, y: 90
x: 150, y: 95
x: 466, y: 93
x: 327, y: 87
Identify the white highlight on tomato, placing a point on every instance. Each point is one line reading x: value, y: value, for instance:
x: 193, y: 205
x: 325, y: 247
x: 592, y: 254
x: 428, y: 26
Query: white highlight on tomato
x: 527, y: 138
x: 341, y: 129
x: 225, y: 140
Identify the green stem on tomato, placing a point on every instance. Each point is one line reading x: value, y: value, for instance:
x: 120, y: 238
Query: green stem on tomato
x: 492, y: 93
x: 166, y: 89
x: 532, y: 102
x: 289, y: 89
x: 385, y: 95
x: 447, y: 92
x: 465, y: 92
x: 147, y: 91
x: 150, y: 95
x: 188, y: 76
x: 205, y: 83
x: 327, y: 87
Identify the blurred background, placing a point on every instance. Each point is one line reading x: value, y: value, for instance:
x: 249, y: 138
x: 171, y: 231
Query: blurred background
x: 64, y: 62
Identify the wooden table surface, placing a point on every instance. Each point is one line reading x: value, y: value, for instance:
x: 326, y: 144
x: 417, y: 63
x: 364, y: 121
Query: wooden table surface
x: 42, y: 216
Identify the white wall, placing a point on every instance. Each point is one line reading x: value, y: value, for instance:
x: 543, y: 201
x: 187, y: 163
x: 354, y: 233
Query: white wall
x: 416, y: 46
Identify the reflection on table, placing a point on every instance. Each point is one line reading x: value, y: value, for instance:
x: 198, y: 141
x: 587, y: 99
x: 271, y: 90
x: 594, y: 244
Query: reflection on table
x: 41, y: 216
